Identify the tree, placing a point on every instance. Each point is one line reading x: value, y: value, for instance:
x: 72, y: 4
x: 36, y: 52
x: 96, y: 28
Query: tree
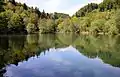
x: 66, y: 26
x: 34, y: 19
x: 4, y: 19
x: 86, y: 9
x: 84, y: 23
x: 25, y: 6
x: 51, y: 27
x: 76, y: 24
x: 37, y: 11
x: 110, y: 27
x: 1, y: 5
x: 117, y: 19
x: 16, y: 23
x: 10, y: 6
x: 31, y: 28
x: 19, y: 9
x: 60, y: 15
x: 3, y: 23
x: 43, y: 15
x: 13, y: 2
x: 47, y: 26
x: 97, y: 26
x: 42, y: 25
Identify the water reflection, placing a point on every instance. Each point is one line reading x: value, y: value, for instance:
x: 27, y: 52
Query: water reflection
x: 32, y: 56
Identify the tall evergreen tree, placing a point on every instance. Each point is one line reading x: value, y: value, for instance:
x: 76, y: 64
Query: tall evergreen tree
x: 43, y: 15
x: 1, y: 5
x: 37, y: 11
x: 25, y: 6
x: 13, y: 2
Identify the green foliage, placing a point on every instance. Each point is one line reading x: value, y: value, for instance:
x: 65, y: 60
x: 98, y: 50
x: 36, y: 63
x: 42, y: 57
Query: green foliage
x: 47, y: 26
x: 10, y: 6
x: 31, y: 28
x: 97, y: 26
x: 1, y: 5
x: 25, y: 6
x: 13, y: 2
x: 58, y: 21
x: 51, y: 27
x: 109, y: 4
x: 76, y: 24
x: 33, y: 18
x: 117, y: 19
x: 110, y: 27
x: 3, y: 23
x: 15, y: 21
x: 102, y: 19
x: 42, y: 25
x: 86, y: 9
x: 60, y: 15
x: 43, y: 15
x: 18, y: 17
x: 4, y: 18
x: 92, y: 18
x: 84, y: 24
x: 16, y: 24
x: 19, y: 9
x: 66, y: 26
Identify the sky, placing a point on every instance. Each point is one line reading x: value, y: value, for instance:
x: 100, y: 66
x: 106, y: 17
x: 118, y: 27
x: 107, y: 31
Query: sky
x: 62, y: 6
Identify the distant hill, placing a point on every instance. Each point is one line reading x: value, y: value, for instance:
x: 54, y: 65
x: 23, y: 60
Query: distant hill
x: 19, y: 18
x: 104, y: 6
x: 103, y: 18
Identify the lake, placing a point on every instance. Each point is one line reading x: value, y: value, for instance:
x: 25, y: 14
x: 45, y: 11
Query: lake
x: 60, y: 55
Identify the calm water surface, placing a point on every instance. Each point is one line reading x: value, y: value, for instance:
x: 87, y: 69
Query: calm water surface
x: 60, y: 55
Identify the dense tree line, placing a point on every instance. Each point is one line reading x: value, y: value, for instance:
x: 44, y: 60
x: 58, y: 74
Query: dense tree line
x: 109, y: 4
x: 1, y: 7
x: 86, y: 9
x: 19, y: 18
x: 98, y: 18
x: 93, y: 18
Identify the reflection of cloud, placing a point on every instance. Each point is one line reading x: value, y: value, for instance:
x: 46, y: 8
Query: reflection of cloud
x: 45, y: 66
x: 56, y: 57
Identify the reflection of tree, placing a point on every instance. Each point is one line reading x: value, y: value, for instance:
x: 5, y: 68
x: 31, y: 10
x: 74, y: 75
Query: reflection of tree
x: 2, y: 71
x: 15, y: 49
x: 106, y: 48
x: 47, y: 41
x: 64, y: 40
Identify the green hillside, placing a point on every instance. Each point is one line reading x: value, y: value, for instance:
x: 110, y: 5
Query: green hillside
x: 99, y: 18
x: 103, y: 18
x: 19, y: 18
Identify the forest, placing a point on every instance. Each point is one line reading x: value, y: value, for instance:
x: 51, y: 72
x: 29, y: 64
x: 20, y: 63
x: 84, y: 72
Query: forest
x: 103, y: 18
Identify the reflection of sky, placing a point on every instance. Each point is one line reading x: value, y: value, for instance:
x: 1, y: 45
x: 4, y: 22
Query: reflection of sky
x: 64, y: 62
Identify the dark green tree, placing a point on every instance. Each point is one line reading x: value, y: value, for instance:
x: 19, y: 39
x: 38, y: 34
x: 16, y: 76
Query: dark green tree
x: 25, y: 6
x: 37, y: 11
x: 3, y: 23
x: 43, y: 15
x: 1, y: 5
x: 16, y: 24
x: 13, y: 2
x: 86, y: 9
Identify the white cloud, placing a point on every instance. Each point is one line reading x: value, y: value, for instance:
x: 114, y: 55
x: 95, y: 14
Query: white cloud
x: 51, y: 5
x: 65, y: 6
x: 72, y: 10
x: 95, y: 1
